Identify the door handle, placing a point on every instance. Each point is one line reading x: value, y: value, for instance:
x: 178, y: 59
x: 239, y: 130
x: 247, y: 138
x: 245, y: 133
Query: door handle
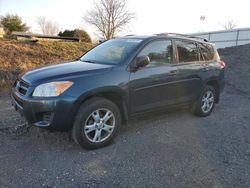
x: 157, y: 79
x: 205, y: 69
x: 174, y: 72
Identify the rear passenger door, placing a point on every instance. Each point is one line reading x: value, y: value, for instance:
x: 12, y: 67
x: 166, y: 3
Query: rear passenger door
x: 189, y: 70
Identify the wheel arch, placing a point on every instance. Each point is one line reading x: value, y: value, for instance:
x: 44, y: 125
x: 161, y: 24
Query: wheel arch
x: 114, y: 94
x: 215, y: 84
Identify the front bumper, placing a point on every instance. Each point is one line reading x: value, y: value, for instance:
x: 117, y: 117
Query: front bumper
x: 53, y: 113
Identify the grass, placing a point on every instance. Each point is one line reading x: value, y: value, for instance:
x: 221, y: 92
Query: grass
x: 25, y: 55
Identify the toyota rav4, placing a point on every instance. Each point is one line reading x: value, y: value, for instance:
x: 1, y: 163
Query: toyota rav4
x: 121, y: 77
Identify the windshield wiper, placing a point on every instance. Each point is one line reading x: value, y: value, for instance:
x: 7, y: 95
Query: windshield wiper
x: 87, y: 61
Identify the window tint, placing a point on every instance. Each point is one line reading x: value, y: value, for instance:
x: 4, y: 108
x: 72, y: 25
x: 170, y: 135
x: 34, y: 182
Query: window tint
x: 207, y: 51
x: 159, y: 52
x: 187, y: 51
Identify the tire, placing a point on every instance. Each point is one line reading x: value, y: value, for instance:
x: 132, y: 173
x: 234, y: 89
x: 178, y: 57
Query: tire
x: 206, y: 102
x: 96, y: 123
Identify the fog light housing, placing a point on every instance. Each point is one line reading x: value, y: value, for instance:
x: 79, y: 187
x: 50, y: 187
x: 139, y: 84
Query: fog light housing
x: 46, y: 120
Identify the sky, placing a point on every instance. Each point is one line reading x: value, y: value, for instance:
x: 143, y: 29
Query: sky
x: 152, y: 16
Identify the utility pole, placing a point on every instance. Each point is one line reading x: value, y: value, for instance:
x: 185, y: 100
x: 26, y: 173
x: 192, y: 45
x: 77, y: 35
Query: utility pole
x: 202, y: 19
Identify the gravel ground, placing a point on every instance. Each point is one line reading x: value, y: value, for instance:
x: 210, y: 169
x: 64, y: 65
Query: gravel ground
x: 237, y: 61
x: 9, y: 118
x: 173, y: 149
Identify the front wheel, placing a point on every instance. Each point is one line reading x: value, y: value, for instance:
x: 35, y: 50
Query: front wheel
x: 206, y: 102
x: 96, y: 123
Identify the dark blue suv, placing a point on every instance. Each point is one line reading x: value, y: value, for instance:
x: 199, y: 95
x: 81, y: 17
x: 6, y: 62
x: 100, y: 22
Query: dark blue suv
x: 119, y: 78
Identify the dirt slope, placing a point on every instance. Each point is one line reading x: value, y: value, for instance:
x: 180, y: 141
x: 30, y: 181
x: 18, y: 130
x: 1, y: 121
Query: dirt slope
x: 20, y: 56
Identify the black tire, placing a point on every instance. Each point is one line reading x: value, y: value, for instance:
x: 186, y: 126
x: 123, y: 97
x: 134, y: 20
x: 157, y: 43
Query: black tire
x: 198, y: 109
x: 85, y: 113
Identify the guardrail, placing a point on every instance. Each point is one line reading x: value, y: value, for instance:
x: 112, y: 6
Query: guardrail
x: 227, y: 38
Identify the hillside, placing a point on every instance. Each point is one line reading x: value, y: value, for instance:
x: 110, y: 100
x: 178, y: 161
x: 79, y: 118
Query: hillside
x: 20, y: 56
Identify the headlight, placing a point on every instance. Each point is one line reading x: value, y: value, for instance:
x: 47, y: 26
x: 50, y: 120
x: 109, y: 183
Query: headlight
x: 52, y: 89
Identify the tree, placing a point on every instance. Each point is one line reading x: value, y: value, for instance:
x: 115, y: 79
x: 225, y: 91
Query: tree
x: 78, y: 33
x: 109, y: 17
x: 47, y: 27
x: 13, y: 22
x: 229, y: 25
x: 82, y: 35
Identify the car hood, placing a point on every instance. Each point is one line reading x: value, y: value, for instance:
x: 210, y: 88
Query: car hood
x: 64, y: 71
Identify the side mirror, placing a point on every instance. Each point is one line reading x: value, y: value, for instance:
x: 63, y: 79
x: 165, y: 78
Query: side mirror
x: 140, y: 62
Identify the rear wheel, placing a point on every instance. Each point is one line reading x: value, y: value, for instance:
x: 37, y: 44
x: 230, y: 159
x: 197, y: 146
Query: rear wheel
x: 96, y: 123
x: 206, y: 102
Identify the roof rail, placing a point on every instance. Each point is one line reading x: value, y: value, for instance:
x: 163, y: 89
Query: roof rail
x: 182, y: 35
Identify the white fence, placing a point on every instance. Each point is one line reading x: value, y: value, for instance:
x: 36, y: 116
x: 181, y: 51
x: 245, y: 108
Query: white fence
x: 227, y: 38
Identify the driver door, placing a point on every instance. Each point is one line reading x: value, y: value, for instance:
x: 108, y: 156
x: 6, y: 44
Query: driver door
x: 153, y: 86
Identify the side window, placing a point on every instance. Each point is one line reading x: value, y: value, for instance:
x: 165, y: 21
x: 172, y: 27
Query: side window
x: 187, y: 51
x: 159, y: 52
x: 207, y: 51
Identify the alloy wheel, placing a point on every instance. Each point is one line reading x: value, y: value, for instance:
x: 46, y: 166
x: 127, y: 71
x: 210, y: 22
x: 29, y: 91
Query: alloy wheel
x: 207, y: 101
x: 99, y: 125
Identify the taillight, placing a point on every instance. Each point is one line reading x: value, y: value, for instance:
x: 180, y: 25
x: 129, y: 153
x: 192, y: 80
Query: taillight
x: 222, y: 64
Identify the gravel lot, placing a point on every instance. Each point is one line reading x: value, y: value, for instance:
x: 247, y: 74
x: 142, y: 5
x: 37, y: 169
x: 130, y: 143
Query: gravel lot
x: 173, y: 149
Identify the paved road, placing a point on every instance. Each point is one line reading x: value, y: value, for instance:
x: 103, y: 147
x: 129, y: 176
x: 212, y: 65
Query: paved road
x: 166, y: 150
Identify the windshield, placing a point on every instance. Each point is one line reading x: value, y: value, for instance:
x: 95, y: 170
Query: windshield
x: 111, y: 52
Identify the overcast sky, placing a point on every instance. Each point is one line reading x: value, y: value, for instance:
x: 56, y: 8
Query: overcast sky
x: 152, y: 16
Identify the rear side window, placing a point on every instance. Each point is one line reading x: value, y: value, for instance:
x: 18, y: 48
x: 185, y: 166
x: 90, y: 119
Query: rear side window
x: 159, y: 52
x: 187, y: 51
x: 207, y: 52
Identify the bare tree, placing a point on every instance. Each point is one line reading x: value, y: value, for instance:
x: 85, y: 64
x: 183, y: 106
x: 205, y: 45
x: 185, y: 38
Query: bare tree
x: 109, y: 17
x: 48, y: 27
x: 229, y: 25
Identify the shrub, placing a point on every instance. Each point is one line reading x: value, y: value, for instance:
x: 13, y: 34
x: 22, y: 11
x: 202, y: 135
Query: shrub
x: 82, y: 35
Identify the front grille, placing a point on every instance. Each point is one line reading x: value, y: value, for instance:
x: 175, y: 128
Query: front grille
x: 21, y: 87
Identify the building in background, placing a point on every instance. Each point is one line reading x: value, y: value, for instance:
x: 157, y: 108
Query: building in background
x: 1, y: 32
x: 226, y: 38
